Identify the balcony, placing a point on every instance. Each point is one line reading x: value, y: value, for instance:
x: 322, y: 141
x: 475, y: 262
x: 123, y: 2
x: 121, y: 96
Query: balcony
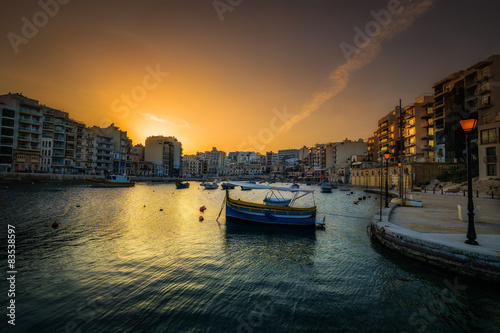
x: 426, y: 136
x: 29, y: 129
x: 438, y: 104
x: 490, y: 159
x: 30, y: 111
x: 439, y: 115
x: 426, y: 124
x: 428, y: 148
x: 29, y: 120
x: 484, y: 104
x: 439, y: 127
x: 483, y: 90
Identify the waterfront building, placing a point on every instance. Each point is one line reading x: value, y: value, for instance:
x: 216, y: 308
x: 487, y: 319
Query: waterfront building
x: 215, y: 161
x: 21, y: 134
x: 448, y: 110
x: 288, y: 154
x: 193, y: 166
x: 418, y: 138
x: 482, y: 93
x: 164, y: 151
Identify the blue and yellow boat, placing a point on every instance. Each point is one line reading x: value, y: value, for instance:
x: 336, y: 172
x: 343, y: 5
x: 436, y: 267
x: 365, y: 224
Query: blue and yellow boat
x: 271, y: 214
x: 180, y: 185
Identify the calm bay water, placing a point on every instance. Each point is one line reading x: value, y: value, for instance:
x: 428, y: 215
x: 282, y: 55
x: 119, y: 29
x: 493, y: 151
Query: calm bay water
x: 117, y: 263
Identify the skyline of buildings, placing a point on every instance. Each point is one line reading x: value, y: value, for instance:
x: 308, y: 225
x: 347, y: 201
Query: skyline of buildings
x: 35, y: 137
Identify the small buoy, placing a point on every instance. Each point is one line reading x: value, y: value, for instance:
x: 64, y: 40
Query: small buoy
x: 364, y: 198
x: 352, y: 192
x: 6, y: 187
x: 161, y: 209
x: 355, y: 202
x: 55, y: 225
x: 360, y: 199
x: 144, y: 206
x: 77, y: 205
x: 201, y: 218
x: 202, y: 208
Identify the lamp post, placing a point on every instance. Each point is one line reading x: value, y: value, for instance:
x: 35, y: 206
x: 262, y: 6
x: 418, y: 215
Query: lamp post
x: 366, y: 179
x: 387, y: 155
x: 468, y: 126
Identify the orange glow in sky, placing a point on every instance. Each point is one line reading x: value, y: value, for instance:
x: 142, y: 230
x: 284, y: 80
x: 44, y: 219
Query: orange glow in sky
x: 174, y: 68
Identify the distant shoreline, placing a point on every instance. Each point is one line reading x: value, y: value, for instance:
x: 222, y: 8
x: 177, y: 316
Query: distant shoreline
x: 21, y: 177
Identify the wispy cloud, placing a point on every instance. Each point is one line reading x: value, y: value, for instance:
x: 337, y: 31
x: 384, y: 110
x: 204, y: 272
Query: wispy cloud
x: 364, y: 55
x: 151, y: 117
x: 180, y: 123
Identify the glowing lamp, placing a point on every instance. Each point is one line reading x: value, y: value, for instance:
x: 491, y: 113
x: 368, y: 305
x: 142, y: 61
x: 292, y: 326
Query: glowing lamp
x: 468, y: 124
x: 387, y: 155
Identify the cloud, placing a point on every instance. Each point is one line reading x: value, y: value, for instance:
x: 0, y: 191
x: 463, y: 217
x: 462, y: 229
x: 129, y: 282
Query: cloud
x: 180, y: 123
x: 365, y: 54
x: 151, y: 117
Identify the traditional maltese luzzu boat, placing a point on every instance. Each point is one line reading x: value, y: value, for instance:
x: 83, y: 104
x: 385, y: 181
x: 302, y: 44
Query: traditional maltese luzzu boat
x: 271, y: 214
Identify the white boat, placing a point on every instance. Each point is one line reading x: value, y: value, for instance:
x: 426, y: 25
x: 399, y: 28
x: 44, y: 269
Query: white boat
x: 210, y: 186
x: 112, y: 181
x: 407, y: 202
x: 326, y: 187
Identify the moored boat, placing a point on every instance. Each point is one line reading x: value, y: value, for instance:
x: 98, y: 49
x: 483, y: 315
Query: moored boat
x: 180, y: 185
x: 271, y: 214
x: 112, y: 181
x: 210, y: 186
x: 227, y: 186
x: 326, y: 187
x: 407, y: 202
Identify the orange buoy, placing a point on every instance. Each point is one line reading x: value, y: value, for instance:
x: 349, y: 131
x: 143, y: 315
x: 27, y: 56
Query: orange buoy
x: 55, y: 225
x: 201, y: 218
x: 202, y: 208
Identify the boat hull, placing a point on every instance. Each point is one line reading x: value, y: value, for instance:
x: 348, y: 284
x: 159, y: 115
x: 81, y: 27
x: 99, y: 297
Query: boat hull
x: 101, y: 183
x: 408, y: 202
x: 181, y: 185
x: 271, y: 215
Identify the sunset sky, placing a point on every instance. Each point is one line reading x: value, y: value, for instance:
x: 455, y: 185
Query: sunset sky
x: 233, y: 76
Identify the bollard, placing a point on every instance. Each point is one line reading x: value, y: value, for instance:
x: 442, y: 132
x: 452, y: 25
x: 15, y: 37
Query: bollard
x: 477, y: 194
x: 464, y: 193
x: 434, y: 191
x: 425, y: 189
x: 442, y: 191
x: 492, y: 195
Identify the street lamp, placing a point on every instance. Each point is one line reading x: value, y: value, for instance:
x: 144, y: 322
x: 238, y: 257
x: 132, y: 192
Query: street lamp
x: 366, y: 179
x: 387, y: 155
x: 468, y: 126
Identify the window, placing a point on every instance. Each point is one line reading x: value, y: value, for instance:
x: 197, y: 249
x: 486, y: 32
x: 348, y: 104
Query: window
x: 491, y: 169
x: 8, y: 113
x: 7, y: 122
x: 488, y: 136
x: 7, y: 131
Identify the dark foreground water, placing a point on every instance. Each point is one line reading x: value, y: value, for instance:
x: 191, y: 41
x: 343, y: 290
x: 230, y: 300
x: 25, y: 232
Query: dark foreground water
x: 114, y: 265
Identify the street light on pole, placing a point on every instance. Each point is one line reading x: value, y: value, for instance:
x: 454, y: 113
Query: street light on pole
x: 468, y: 126
x: 387, y: 155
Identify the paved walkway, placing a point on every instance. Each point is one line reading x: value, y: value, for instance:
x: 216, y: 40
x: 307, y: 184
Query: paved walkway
x: 440, y: 215
x: 434, y: 234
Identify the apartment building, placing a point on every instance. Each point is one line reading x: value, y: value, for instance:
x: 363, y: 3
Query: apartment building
x: 21, y: 133
x: 418, y: 138
x: 166, y: 154
x: 482, y: 94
